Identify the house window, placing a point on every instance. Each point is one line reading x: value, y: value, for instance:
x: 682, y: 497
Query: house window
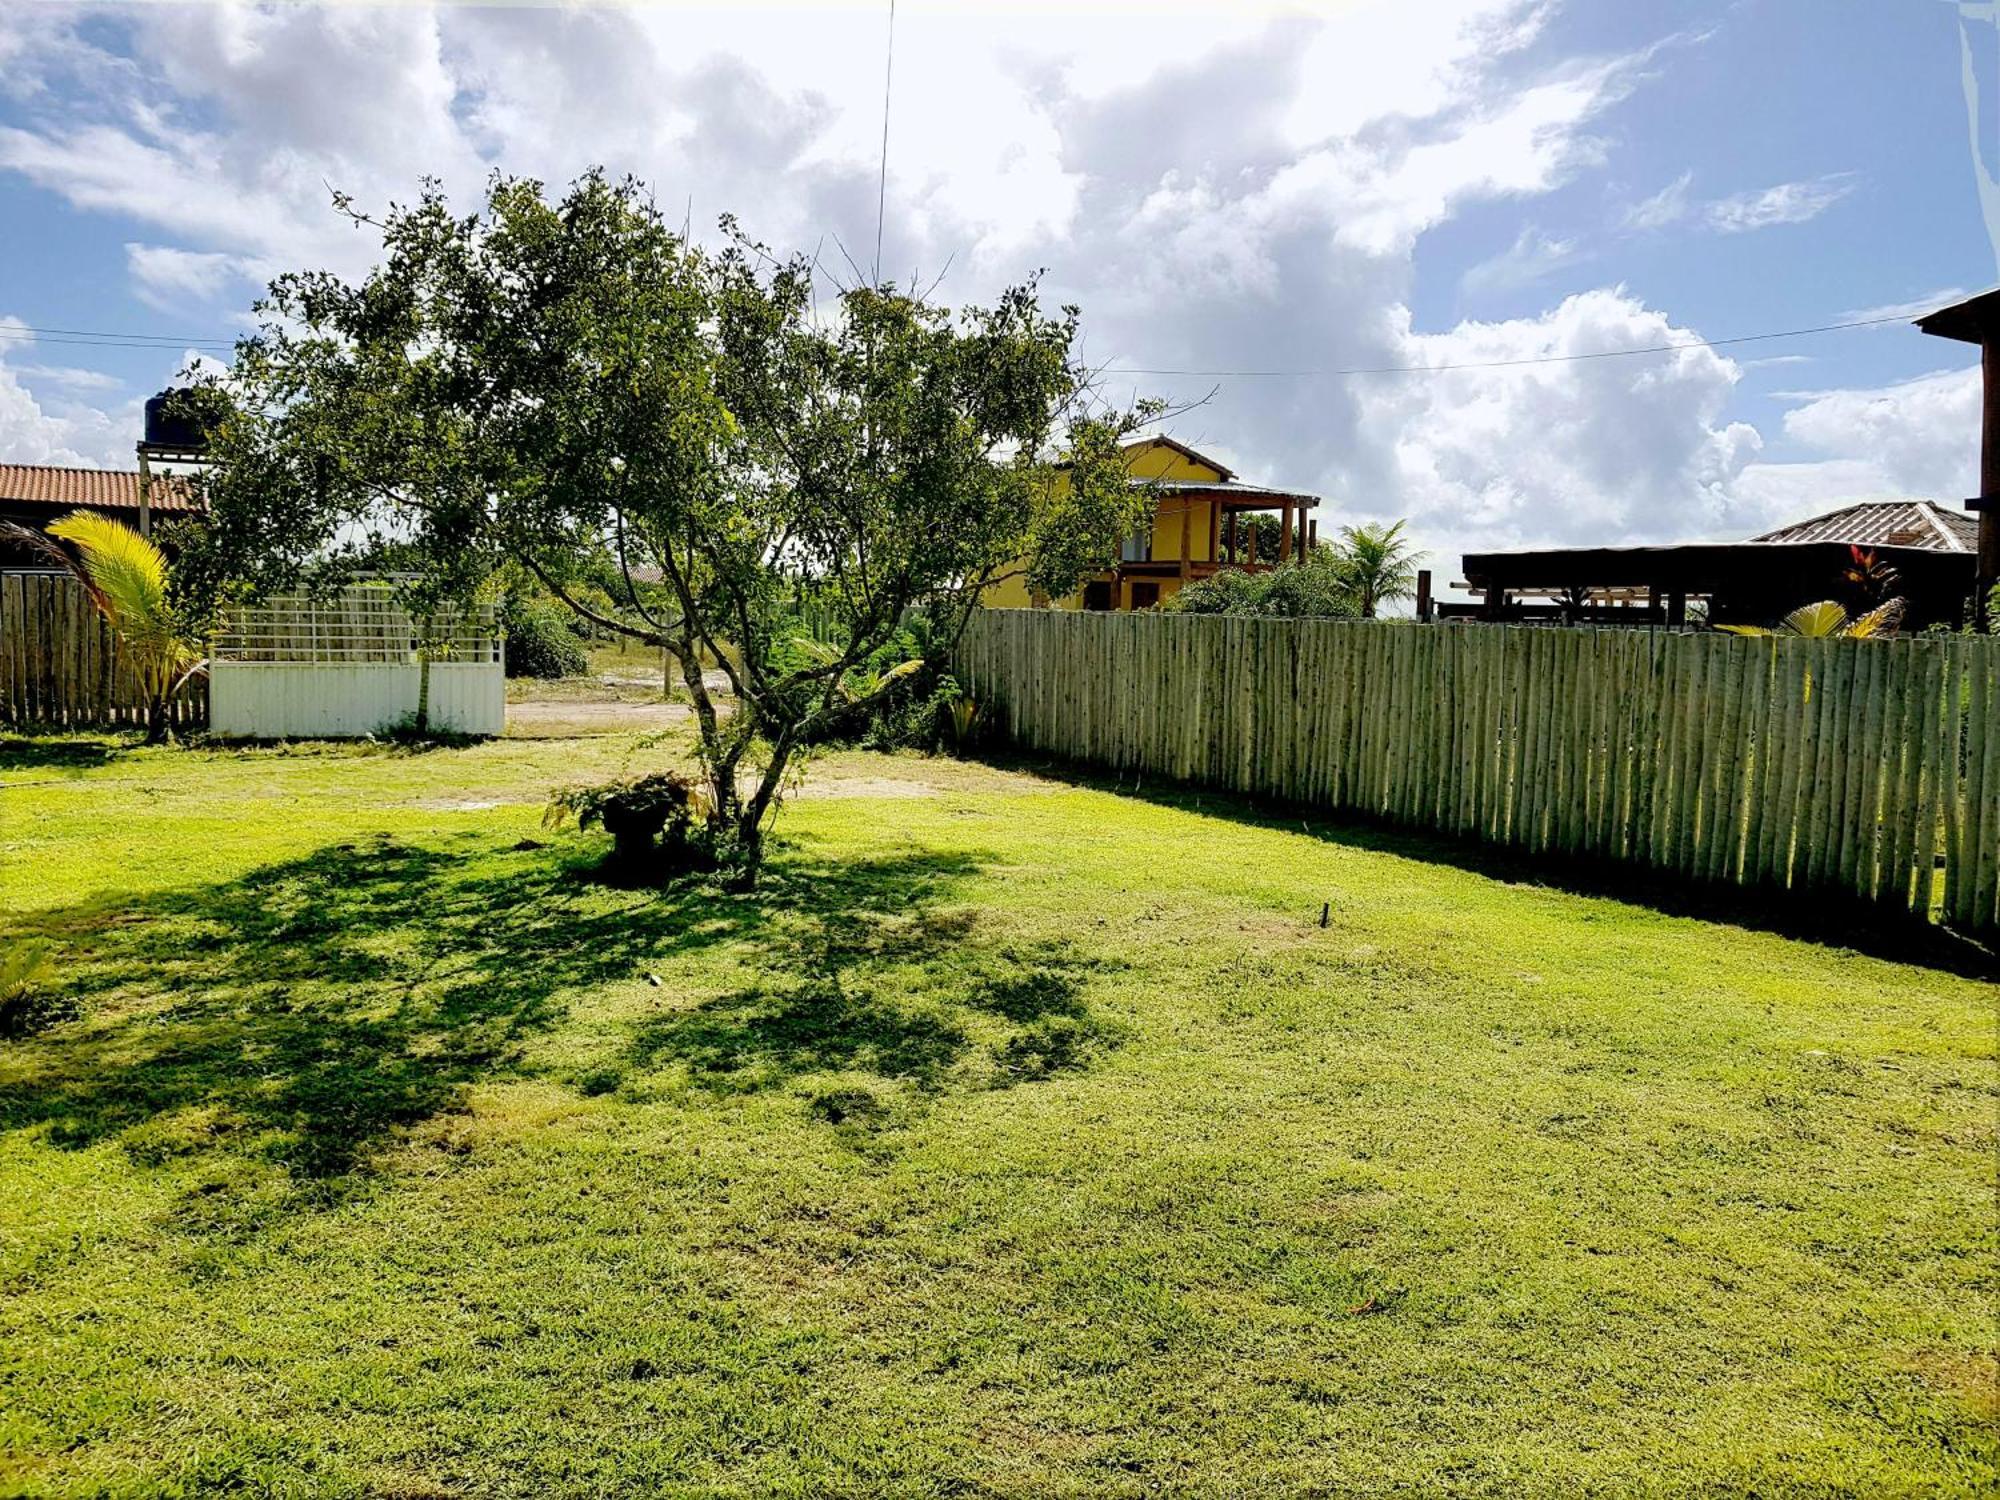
x: 1097, y: 596
x: 1145, y: 595
x: 1138, y: 547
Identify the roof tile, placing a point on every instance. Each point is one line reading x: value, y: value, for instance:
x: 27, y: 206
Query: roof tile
x: 94, y: 489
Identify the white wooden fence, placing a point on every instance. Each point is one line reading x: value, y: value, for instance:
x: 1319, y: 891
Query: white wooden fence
x: 1869, y: 769
x: 350, y: 665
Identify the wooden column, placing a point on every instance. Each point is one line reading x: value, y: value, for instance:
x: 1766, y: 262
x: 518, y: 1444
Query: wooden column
x: 1424, y: 594
x: 1285, y: 533
x: 145, y: 494
x: 1232, y: 538
x: 1187, y: 537
x: 1987, y: 569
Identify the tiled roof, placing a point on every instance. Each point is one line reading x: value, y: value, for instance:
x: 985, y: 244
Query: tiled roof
x: 94, y: 489
x: 1923, y: 524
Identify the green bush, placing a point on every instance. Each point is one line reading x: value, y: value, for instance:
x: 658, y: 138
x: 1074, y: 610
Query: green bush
x: 541, y: 645
x: 1314, y: 590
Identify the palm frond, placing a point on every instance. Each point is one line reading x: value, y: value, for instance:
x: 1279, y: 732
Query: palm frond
x: 1817, y: 621
x: 126, y: 572
x: 1883, y: 620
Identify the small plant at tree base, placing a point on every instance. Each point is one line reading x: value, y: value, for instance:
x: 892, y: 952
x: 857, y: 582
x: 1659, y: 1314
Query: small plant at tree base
x: 651, y: 820
x: 126, y: 577
x: 408, y: 733
x: 25, y: 1001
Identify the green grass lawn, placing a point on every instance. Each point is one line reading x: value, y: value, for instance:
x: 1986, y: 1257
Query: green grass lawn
x: 1018, y: 1138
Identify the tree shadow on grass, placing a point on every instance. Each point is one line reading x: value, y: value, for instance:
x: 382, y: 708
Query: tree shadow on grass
x: 875, y: 979
x: 1816, y: 919
x: 55, y: 754
x: 299, y: 1015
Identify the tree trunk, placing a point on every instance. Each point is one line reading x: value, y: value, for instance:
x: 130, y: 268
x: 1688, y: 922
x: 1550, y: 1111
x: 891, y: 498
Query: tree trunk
x: 423, y: 723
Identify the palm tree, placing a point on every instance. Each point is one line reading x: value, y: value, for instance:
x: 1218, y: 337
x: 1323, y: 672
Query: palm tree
x: 1379, y: 563
x: 1827, y: 619
x: 125, y: 576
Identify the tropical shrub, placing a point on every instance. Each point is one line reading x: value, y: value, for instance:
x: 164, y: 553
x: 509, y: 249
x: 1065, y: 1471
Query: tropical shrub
x: 651, y: 820
x: 541, y: 644
x: 126, y: 577
x: 1309, y: 590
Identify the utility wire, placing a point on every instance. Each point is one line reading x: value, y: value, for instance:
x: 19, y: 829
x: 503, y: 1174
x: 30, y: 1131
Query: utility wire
x: 21, y: 333
x: 882, y: 180
x: 1501, y: 364
x: 90, y: 338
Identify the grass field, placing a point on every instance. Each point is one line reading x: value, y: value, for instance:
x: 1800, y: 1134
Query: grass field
x: 1018, y: 1138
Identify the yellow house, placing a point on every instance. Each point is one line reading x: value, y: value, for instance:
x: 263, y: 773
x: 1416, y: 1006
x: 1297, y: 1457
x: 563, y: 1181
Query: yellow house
x: 1196, y: 531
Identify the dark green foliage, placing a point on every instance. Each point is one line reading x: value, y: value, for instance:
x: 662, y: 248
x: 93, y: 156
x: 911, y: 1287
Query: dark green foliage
x: 651, y: 820
x: 540, y: 642
x: 574, y: 390
x: 1295, y: 590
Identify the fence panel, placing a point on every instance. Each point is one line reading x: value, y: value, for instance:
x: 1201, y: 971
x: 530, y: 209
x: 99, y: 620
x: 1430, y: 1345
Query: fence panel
x: 1865, y: 769
x: 353, y: 663
x: 61, y: 666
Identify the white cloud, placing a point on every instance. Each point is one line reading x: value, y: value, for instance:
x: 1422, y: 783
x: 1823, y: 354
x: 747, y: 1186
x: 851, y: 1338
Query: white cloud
x: 1738, y: 213
x: 69, y: 377
x: 1912, y: 309
x: 34, y: 430
x: 1532, y: 256
x: 172, y: 279
x: 1918, y: 437
x: 1218, y: 188
x: 1784, y: 203
x: 1668, y: 206
x: 1565, y: 452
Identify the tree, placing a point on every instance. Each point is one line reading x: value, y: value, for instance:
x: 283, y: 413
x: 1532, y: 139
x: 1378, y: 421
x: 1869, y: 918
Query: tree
x: 1378, y: 563
x: 126, y: 578
x: 578, y: 389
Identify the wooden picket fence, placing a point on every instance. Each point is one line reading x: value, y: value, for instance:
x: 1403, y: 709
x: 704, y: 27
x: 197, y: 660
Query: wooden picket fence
x: 60, y: 664
x: 1870, y: 769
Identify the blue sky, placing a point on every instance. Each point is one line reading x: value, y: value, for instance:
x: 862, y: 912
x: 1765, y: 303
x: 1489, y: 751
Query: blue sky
x: 1222, y: 188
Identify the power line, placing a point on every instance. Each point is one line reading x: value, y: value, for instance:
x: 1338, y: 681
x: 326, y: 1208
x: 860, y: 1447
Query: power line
x: 91, y: 338
x: 1501, y: 364
x: 23, y: 333
x: 882, y: 181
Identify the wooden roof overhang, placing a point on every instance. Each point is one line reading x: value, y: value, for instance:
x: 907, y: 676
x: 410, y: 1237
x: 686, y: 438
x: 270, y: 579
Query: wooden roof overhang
x: 1694, y: 567
x: 1972, y: 321
x: 1232, y: 496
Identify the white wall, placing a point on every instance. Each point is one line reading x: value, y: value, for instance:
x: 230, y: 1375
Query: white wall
x: 344, y: 700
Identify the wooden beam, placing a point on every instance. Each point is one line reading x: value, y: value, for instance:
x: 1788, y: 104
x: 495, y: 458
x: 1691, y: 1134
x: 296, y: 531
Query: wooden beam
x: 145, y: 494
x: 1986, y: 570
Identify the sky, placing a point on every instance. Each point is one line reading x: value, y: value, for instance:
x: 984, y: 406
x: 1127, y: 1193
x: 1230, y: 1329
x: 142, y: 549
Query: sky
x: 1244, y: 199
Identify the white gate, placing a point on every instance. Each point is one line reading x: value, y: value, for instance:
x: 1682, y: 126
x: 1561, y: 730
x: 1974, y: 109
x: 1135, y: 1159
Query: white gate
x: 350, y: 665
